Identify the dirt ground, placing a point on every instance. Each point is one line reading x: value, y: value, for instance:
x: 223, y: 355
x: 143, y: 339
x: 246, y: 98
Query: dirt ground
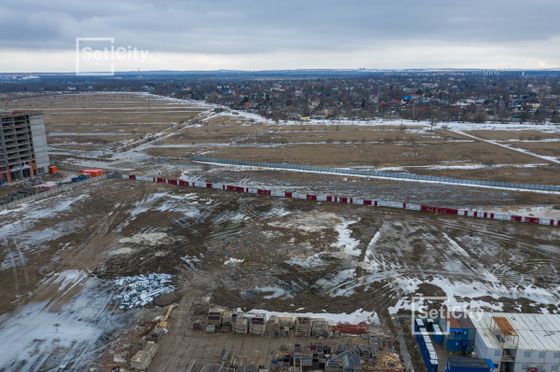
x: 382, y: 155
x: 65, y: 251
x: 184, y: 347
x: 154, y: 135
x: 89, y: 122
x: 520, y: 135
x: 544, y: 148
x: 59, y: 256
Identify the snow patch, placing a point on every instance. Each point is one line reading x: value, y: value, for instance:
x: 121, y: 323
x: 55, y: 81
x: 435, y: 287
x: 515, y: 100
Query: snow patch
x: 345, y: 242
x: 358, y: 316
x: 149, y: 239
x: 233, y: 261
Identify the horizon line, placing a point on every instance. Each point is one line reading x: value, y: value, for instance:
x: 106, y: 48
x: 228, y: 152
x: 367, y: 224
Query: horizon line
x: 427, y: 69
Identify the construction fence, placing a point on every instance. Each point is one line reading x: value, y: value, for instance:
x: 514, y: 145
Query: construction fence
x: 275, y: 192
x: 379, y: 174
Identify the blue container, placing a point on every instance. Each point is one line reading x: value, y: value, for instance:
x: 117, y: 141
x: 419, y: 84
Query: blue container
x: 427, y: 350
x: 464, y: 364
x: 457, y: 346
x: 438, y: 335
x: 460, y: 334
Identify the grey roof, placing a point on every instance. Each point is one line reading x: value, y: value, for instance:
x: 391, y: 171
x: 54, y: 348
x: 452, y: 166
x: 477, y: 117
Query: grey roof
x: 538, y: 332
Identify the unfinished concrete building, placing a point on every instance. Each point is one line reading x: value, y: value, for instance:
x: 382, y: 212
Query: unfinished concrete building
x: 23, y: 146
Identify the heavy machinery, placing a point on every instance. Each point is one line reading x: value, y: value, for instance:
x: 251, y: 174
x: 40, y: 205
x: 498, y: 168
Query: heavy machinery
x: 161, y: 326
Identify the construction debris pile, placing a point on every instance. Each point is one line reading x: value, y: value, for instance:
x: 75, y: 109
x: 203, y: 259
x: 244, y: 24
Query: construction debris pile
x: 140, y: 290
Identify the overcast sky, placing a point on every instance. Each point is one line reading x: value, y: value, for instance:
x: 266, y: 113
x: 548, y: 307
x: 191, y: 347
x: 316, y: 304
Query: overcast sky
x: 40, y: 35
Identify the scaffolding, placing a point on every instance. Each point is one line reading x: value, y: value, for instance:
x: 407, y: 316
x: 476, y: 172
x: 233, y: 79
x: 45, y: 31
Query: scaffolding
x: 507, y: 337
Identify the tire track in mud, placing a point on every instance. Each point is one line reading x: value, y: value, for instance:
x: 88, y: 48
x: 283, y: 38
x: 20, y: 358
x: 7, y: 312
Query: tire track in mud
x: 508, y: 244
x: 506, y: 275
x: 386, y: 293
x: 85, y: 256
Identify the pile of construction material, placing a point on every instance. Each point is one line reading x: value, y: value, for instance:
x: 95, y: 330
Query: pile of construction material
x: 214, y: 319
x: 281, y: 325
x: 140, y: 290
x: 320, y: 328
x: 389, y: 361
x: 257, y: 325
x: 227, y: 321
x: 303, y: 326
x: 222, y: 319
x: 142, y: 359
x: 241, y: 325
x: 235, y: 321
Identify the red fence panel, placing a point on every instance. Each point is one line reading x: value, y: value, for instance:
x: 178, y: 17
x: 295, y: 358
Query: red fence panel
x: 173, y: 182
x: 132, y: 177
x: 534, y: 220
x: 427, y: 208
x: 235, y: 188
x: 263, y: 192
x: 311, y: 197
x: 288, y: 194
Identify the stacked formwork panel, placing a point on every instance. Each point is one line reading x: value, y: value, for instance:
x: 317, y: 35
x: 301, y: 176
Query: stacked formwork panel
x: 257, y: 324
x: 303, y: 326
x: 215, y: 317
x: 227, y: 321
x: 241, y: 325
x: 319, y: 327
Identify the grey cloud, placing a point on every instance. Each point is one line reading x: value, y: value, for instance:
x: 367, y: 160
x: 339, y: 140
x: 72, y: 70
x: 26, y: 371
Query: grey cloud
x: 261, y: 26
